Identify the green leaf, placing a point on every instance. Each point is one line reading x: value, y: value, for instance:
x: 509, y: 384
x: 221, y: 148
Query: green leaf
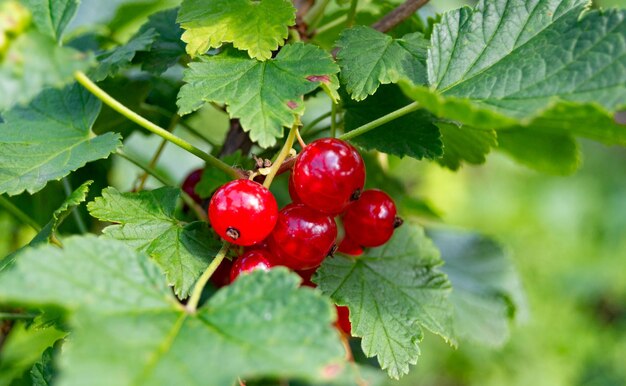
x: 393, y: 292
x: 414, y: 134
x: 511, y: 62
x: 49, y: 138
x: 23, y: 72
x: 369, y: 58
x: 147, y: 223
x: 258, y: 27
x: 487, y: 289
x: 212, y: 178
x: 43, y: 371
x: 265, y: 96
x: 143, y: 336
x: 464, y: 144
x: 167, y: 47
x: 52, y: 16
x: 552, y: 153
x: 113, y: 60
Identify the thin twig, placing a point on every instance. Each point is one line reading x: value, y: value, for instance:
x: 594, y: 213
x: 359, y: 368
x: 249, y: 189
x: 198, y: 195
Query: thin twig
x: 398, y: 15
x: 196, y: 293
x: 159, y: 151
x: 19, y: 214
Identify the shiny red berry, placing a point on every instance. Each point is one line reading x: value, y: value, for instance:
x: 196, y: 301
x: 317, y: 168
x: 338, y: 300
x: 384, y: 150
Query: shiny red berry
x: 251, y: 261
x: 292, y: 192
x: 221, y: 276
x: 302, y: 237
x: 243, y: 212
x: 370, y: 220
x: 189, y: 185
x: 328, y: 174
x: 343, y: 319
x: 349, y: 247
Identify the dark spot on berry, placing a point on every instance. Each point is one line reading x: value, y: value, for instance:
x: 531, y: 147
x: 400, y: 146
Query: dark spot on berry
x: 397, y: 222
x: 232, y: 233
x: 332, y: 250
x: 355, y: 196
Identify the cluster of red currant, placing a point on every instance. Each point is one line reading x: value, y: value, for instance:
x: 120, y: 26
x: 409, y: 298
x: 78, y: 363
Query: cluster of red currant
x: 326, y: 181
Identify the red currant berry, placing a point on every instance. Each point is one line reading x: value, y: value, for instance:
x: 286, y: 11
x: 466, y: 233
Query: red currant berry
x: 349, y: 247
x: 343, y: 319
x: 328, y: 174
x: 189, y: 185
x: 221, y: 276
x: 306, y: 277
x: 250, y: 261
x: 302, y: 237
x: 243, y: 212
x: 370, y: 221
x: 292, y: 192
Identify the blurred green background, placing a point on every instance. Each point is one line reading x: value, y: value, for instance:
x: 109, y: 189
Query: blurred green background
x: 567, y: 236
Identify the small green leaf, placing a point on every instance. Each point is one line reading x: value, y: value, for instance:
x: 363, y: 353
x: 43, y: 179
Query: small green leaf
x: 265, y: 96
x: 147, y: 223
x: 414, y: 134
x: 258, y: 27
x: 487, y: 289
x: 393, y: 292
x: 52, y: 16
x: 369, y: 58
x: 167, y: 47
x: 464, y: 144
x: 557, y: 154
x: 43, y: 371
x: 113, y: 60
x: 50, y: 138
x: 24, y: 74
x: 546, y: 66
x: 144, y: 336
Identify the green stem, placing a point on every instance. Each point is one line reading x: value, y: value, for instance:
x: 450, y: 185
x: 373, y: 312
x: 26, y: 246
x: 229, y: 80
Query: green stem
x: 331, y: 24
x: 19, y: 214
x: 380, y: 121
x: 284, y: 152
x: 333, y: 120
x: 351, y: 13
x: 143, y: 122
x: 194, y: 299
x: 10, y: 316
x: 314, y: 122
x: 159, y: 151
x: 154, y: 173
x: 316, y: 15
x: 67, y: 186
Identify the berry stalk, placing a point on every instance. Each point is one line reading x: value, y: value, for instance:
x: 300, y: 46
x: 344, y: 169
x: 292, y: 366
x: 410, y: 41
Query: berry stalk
x: 194, y: 299
x: 284, y: 152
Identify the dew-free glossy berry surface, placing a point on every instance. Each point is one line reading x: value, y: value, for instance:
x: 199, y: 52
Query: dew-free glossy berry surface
x: 302, y: 237
x: 343, y: 319
x: 250, y: 261
x: 189, y: 185
x: 349, y: 247
x: 328, y: 174
x: 243, y: 212
x: 370, y: 220
x: 292, y: 192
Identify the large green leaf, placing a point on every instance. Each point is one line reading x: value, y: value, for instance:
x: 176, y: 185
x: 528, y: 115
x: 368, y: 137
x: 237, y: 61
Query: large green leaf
x: 43, y: 371
x: 35, y: 61
x: 146, y: 222
x: 487, y: 290
x: 369, y: 58
x: 393, y: 292
x: 535, y: 63
x: 464, y: 144
x: 262, y: 324
x: 167, y: 47
x: 414, y: 134
x: 49, y: 138
x: 258, y: 27
x: 263, y: 95
x: 52, y: 16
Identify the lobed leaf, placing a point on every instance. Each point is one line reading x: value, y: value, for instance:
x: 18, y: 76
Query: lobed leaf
x: 465, y: 144
x: 50, y: 138
x: 393, y: 293
x: 167, y: 48
x: 112, y: 61
x: 52, y: 16
x: 258, y: 27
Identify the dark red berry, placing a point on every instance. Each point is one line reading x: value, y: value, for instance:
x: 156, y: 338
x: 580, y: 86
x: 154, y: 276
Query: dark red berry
x: 189, y: 185
x: 306, y: 275
x: 328, y: 174
x: 302, y: 237
x: 349, y: 247
x: 243, y: 212
x: 343, y: 319
x: 250, y: 261
x: 370, y: 221
x: 292, y: 192
x: 221, y: 276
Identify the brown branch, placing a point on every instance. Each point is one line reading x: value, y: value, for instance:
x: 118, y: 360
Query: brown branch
x: 236, y: 139
x: 398, y: 15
